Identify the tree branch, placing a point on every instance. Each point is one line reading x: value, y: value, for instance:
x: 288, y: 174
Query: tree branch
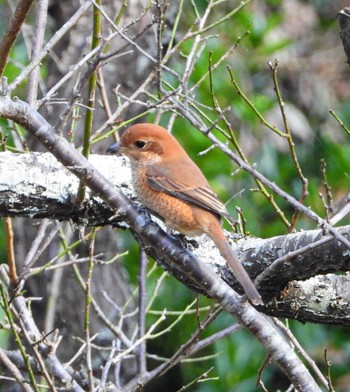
x: 36, y: 185
x: 13, y: 29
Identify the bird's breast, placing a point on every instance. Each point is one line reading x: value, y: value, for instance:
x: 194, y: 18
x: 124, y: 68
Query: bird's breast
x: 177, y: 214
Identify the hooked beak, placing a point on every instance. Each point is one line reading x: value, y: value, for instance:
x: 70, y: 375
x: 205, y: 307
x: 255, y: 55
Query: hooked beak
x: 113, y: 148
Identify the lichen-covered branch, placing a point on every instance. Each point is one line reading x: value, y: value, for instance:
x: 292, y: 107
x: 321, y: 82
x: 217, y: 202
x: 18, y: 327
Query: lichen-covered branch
x: 38, y: 186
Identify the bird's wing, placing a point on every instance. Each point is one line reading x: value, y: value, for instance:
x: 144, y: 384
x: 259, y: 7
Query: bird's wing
x: 201, y: 196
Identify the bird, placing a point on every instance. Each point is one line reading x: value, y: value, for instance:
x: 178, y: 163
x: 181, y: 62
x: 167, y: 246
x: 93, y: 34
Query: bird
x: 171, y: 186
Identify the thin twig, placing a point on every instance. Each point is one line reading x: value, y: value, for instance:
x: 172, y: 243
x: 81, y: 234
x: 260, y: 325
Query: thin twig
x: 40, y: 23
x: 12, y: 31
x: 6, y: 308
x: 340, y: 122
x: 141, y: 353
x: 329, y: 378
x: 301, y: 350
x: 88, y: 300
x: 203, y: 377
x: 259, y: 381
x: 234, y: 141
x: 107, y: 366
x: 341, y: 210
x: 240, y: 92
x: 14, y: 371
x: 304, y: 181
x: 193, y: 345
x: 50, y: 45
x: 41, y: 242
x: 327, y: 187
x: 89, y: 115
x: 11, y: 252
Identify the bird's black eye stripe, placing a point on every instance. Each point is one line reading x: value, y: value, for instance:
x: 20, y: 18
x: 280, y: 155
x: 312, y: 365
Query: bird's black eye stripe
x: 140, y: 144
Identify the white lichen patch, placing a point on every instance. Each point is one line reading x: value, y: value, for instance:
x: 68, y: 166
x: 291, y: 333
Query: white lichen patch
x: 208, y: 252
x: 41, y: 174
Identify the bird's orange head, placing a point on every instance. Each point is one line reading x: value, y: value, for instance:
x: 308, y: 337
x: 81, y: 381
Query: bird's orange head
x: 147, y: 143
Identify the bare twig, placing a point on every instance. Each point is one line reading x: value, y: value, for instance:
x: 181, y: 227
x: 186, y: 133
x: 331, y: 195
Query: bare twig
x: 39, y: 32
x: 88, y: 300
x: 339, y: 121
x: 89, y: 115
x: 12, y: 31
x: 32, y: 332
x: 50, y: 44
x: 302, y: 351
x: 328, y: 189
x: 303, y: 179
x: 6, y: 308
x: 41, y: 242
x: 329, y: 378
x: 14, y: 371
x: 233, y: 139
x: 141, y: 353
x: 11, y: 252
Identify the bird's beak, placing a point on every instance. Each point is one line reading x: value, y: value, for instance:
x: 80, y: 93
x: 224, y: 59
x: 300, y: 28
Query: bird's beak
x: 113, y: 148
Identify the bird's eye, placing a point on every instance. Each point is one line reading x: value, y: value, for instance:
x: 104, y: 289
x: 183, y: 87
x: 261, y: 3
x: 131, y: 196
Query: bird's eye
x: 140, y: 144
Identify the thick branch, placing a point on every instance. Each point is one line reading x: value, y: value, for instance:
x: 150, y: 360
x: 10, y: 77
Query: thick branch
x: 38, y: 186
x: 315, y: 300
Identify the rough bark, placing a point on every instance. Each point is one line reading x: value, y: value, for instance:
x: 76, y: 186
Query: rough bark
x: 344, y: 23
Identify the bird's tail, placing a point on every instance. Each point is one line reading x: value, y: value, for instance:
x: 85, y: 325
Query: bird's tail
x: 240, y: 273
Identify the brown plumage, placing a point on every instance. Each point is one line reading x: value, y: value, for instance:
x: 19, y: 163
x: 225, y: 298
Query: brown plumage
x: 172, y: 186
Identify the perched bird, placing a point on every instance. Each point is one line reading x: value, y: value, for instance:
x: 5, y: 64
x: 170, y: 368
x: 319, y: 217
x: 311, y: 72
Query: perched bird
x: 170, y: 184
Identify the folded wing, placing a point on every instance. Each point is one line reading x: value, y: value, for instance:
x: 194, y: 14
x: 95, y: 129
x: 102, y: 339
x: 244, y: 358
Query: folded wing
x: 200, y: 195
